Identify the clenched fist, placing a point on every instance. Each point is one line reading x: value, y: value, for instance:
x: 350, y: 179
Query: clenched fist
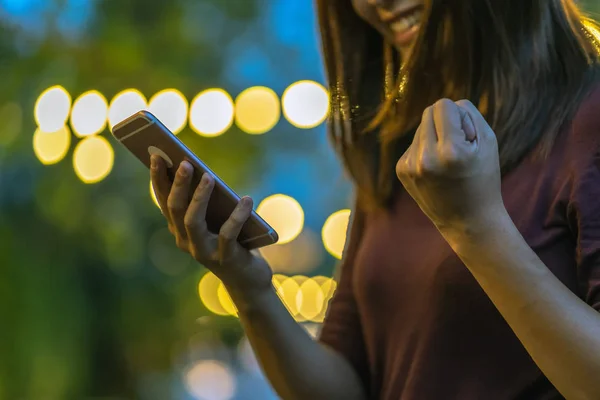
x: 452, y: 167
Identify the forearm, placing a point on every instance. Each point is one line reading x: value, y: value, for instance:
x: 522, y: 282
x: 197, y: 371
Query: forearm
x: 297, y: 366
x: 559, y: 330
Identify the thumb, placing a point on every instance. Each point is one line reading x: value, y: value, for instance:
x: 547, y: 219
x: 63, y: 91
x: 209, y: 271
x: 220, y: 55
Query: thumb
x: 473, y: 123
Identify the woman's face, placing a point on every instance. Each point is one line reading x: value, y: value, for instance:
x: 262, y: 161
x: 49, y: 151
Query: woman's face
x: 397, y: 20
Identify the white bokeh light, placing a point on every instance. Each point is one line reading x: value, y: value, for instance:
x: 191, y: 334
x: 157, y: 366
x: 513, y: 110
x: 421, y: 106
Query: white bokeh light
x: 52, y: 109
x: 210, y: 380
x: 89, y: 113
x: 305, y: 104
x: 124, y: 105
x: 211, y: 112
x: 171, y: 107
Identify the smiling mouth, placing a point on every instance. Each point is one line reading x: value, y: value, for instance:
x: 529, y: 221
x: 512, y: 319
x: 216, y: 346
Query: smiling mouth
x: 406, y: 26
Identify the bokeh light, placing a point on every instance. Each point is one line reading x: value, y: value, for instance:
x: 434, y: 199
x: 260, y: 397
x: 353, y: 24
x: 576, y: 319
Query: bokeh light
x: 51, y: 147
x: 305, y: 104
x: 211, y: 112
x: 93, y: 159
x: 312, y: 299
x: 208, y: 289
x: 153, y: 195
x: 284, y: 214
x: 52, y: 109
x: 210, y: 380
x: 328, y: 287
x: 300, y: 256
x: 89, y: 114
x: 334, y: 232
x: 225, y: 300
x: 288, y: 292
x: 171, y: 107
x: 124, y: 105
x: 257, y: 110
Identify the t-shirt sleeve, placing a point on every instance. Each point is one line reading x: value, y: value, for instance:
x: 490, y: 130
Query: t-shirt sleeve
x: 342, y: 330
x: 584, y: 216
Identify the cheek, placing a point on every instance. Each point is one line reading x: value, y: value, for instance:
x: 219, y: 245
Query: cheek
x: 367, y: 12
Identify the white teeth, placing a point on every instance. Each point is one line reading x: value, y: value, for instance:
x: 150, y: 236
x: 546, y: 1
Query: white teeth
x: 407, y: 22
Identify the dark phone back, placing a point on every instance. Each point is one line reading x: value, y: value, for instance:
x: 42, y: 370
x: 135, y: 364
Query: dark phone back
x: 143, y: 134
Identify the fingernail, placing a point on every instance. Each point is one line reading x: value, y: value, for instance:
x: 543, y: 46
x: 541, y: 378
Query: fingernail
x: 185, y: 168
x: 246, y: 201
x: 153, y: 163
x: 204, y: 180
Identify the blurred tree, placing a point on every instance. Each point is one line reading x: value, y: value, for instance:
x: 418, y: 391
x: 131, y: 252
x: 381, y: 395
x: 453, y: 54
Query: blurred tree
x: 84, y: 312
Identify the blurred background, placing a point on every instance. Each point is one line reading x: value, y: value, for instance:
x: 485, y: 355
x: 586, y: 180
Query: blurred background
x: 96, y: 302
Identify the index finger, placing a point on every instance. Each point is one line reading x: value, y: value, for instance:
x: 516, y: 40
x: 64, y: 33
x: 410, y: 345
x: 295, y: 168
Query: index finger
x: 448, y: 123
x: 426, y: 132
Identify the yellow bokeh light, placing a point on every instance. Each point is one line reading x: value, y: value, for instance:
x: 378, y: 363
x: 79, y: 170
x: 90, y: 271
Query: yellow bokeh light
x: 153, y: 195
x: 334, y: 232
x: 210, y: 380
x: 52, y: 109
x: 89, y: 114
x: 208, y: 289
x: 93, y: 159
x: 300, y: 256
x: 257, y: 110
x: 288, y: 292
x: 124, y: 105
x: 284, y: 214
x: 328, y: 286
x: 211, y: 112
x: 311, y: 302
x: 171, y: 107
x: 305, y: 104
x: 52, y: 147
x: 225, y: 300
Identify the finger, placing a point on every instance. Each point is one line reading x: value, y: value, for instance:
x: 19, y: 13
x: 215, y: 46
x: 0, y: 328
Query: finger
x: 161, y: 183
x: 403, y: 166
x: 448, y: 123
x: 473, y: 122
x: 178, y: 200
x: 427, y: 133
x: 195, y: 218
x: 231, y: 229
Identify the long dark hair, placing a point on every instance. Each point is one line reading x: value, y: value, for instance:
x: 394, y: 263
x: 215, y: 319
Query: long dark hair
x: 526, y: 64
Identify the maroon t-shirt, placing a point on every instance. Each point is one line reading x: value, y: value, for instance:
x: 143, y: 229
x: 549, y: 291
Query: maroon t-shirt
x: 414, y: 322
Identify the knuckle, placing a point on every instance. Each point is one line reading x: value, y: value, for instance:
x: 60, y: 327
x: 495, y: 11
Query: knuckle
x: 226, y: 236
x: 190, y: 222
x: 174, y: 205
x: 442, y: 103
x: 464, y: 103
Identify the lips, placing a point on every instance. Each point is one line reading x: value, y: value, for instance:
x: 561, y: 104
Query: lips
x: 406, y: 25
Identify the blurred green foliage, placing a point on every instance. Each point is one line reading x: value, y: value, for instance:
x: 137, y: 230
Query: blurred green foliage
x: 84, y: 313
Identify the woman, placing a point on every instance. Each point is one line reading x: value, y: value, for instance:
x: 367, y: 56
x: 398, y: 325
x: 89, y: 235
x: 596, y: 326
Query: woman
x: 475, y: 272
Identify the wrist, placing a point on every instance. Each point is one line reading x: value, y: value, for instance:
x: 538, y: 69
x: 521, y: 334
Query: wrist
x: 250, y: 299
x: 480, y: 230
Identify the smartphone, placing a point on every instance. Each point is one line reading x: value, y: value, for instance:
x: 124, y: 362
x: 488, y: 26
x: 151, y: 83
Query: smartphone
x: 144, y: 135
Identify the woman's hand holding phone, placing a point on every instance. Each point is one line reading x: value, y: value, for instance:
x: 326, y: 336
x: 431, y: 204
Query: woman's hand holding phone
x: 242, y: 272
